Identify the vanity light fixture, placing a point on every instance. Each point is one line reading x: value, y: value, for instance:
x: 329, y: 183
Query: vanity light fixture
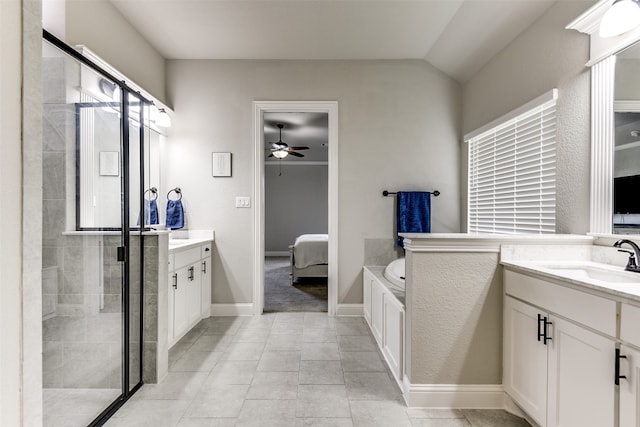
x: 163, y: 119
x: 622, y: 16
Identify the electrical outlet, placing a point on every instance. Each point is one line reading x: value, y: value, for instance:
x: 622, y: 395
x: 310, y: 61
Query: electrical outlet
x: 243, y: 202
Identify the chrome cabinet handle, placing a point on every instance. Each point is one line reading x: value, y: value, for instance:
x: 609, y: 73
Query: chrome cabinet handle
x: 204, y: 267
x: 175, y: 281
x: 191, y: 273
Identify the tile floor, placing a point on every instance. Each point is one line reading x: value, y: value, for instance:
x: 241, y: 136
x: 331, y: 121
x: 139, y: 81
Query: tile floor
x: 284, y: 369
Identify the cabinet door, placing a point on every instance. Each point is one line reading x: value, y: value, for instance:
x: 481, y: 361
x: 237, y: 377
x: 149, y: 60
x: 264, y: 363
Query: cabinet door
x: 581, y: 377
x: 377, y: 319
x: 366, y: 295
x: 525, y: 359
x: 194, y: 293
x: 393, y: 336
x: 180, y: 307
x: 205, y: 309
x: 172, y: 281
x: 630, y: 387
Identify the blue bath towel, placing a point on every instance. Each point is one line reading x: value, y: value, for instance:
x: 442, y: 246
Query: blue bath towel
x: 150, y: 212
x: 413, y: 213
x: 175, y: 214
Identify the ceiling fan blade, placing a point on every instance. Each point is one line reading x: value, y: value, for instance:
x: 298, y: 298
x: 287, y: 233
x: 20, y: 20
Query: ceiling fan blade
x: 293, y: 153
x: 298, y: 148
x: 271, y: 155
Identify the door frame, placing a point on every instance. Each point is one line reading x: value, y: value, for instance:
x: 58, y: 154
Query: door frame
x: 259, y: 108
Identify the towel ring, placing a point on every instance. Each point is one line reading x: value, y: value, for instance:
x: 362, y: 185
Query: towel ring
x: 152, y: 190
x: 177, y: 191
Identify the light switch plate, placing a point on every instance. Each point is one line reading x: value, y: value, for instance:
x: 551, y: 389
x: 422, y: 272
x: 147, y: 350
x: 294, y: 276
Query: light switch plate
x: 243, y: 202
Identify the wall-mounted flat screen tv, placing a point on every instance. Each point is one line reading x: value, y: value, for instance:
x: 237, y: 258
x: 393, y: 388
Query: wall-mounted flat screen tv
x: 626, y: 195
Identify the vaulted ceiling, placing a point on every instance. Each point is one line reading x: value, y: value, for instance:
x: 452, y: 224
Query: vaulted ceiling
x: 456, y: 36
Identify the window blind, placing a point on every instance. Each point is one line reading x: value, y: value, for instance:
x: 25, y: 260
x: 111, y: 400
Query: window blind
x: 512, y: 173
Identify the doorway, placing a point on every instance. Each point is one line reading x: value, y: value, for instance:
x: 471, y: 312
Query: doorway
x: 296, y: 211
x: 330, y: 109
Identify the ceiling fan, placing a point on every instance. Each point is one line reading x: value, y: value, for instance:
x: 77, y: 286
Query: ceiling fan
x: 280, y: 150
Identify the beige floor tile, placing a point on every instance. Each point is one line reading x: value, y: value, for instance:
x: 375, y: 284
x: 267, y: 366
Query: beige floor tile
x: 211, y: 343
x: 233, y: 372
x: 322, y: 401
x: 219, y: 401
x: 263, y: 413
x: 320, y: 351
x: 379, y: 414
x: 362, y: 361
x: 176, y: 385
x: 284, y: 342
x: 203, y: 361
x: 243, y: 351
x: 324, y: 422
x: 356, y: 343
x: 280, y: 361
x: 319, y: 335
x: 321, y: 372
x: 274, y: 386
x: 370, y: 386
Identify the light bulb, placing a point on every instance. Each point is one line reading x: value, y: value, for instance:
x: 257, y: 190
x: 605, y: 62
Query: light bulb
x: 163, y: 119
x: 622, y: 16
x: 279, y: 154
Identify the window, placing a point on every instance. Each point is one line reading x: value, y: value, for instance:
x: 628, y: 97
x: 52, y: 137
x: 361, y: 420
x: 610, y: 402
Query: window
x: 512, y: 171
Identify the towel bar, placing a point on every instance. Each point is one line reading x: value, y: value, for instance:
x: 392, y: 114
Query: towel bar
x: 386, y: 193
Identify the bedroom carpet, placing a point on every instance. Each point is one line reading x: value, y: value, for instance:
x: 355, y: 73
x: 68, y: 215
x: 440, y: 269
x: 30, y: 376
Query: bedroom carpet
x: 309, y: 294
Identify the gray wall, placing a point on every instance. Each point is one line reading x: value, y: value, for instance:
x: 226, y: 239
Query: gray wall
x: 544, y: 56
x: 399, y: 125
x: 295, y: 203
x: 99, y: 26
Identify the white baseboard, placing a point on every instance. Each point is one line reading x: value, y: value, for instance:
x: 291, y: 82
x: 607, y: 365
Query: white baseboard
x: 349, y: 310
x: 241, y: 309
x: 460, y: 396
x: 277, y: 253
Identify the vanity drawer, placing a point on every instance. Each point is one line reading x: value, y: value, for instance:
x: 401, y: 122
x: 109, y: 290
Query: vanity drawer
x: 629, y: 321
x: 187, y: 256
x: 206, y: 249
x: 581, y: 307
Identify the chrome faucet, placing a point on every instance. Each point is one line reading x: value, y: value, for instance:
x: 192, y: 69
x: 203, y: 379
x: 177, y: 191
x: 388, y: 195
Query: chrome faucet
x: 631, y: 264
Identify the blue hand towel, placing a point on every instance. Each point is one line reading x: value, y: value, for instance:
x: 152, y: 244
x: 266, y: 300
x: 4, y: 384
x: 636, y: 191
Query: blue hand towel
x: 413, y: 213
x: 152, y: 208
x: 150, y: 212
x: 175, y: 214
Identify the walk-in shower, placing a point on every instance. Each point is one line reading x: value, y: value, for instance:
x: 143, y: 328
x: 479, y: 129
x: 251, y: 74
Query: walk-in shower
x: 96, y: 138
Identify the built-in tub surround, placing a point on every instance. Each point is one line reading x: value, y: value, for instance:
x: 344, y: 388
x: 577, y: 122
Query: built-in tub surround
x: 453, y: 338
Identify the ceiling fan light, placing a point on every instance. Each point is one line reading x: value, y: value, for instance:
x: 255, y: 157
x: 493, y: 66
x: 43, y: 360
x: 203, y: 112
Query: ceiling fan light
x: 163, y: 119
x: 279, y: 154
x: 622, y: 16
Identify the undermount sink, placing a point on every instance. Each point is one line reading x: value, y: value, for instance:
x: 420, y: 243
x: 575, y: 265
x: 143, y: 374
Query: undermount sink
x: 601, y: 274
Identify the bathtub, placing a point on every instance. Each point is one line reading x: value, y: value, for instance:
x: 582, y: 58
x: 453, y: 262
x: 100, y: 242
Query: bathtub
x: 394, y: 273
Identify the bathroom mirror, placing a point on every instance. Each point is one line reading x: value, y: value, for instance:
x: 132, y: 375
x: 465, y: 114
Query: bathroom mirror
x: 101, y: 162
x: 626, y: 156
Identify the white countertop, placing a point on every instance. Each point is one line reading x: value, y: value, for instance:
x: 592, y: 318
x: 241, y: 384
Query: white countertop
x: 179, y: 244
x: 613, y: 290
x: 184, y: 239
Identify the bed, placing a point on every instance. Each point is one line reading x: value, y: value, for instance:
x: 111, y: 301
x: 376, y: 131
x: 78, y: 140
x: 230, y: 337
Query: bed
x: 309, y: 256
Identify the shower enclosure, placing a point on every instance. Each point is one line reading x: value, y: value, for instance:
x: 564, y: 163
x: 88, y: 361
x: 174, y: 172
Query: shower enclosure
x: 96, y: 143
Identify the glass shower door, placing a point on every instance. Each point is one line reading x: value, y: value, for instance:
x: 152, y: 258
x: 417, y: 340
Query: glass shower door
x: 94, y: 136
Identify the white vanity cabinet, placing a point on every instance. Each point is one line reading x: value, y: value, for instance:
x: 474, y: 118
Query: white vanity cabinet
x: 385, y: 315
x: 629, y: 366
x: 189, y: 288
x: 559, y: 352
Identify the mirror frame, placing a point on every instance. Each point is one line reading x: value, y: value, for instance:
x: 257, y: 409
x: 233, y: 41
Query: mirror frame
x: 602, y: 60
